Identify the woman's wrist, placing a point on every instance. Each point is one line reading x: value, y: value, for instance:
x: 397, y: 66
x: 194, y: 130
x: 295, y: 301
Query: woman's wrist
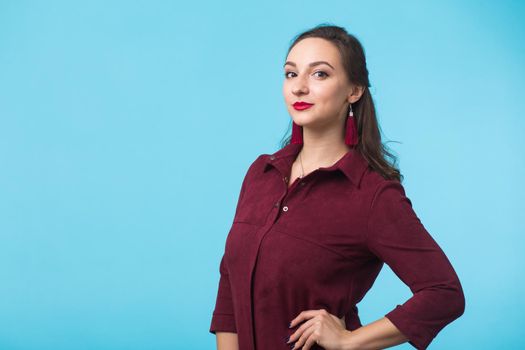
x: 348, y: 341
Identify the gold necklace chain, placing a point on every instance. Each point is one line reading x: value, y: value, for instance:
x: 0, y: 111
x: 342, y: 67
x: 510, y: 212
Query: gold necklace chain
x: 302, y: 167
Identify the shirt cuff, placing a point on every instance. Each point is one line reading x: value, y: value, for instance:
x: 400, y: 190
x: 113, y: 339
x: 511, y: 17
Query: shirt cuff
x: 223, y: 323
x: 418, y: 336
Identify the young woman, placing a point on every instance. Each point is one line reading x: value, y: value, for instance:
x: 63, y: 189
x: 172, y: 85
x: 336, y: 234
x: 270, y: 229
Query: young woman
x: 316, y: 221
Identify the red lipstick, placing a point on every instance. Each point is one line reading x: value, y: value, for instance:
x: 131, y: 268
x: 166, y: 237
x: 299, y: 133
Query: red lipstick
x: 302, y: 105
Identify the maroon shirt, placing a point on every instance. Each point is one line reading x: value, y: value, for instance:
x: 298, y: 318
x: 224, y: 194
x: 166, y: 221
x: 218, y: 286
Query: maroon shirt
x: 321, y: 244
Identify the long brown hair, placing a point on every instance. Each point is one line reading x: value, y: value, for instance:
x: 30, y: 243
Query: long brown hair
x: 354, y: 62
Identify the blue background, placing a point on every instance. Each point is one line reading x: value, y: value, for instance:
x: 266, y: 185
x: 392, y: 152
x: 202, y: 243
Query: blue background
x: 126, y: 129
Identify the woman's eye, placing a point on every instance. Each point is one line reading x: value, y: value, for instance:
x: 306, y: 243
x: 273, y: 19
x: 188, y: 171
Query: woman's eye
x: 322, y: 74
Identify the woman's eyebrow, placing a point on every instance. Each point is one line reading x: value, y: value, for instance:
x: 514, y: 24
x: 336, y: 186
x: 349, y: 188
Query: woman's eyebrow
x: 316, y: 63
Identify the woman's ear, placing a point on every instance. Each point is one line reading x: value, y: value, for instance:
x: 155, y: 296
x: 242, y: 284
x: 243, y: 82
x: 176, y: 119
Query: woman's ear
x: 356, y: 93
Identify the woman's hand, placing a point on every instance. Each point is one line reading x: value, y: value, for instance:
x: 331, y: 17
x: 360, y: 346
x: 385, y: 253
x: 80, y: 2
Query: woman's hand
x: 321, y: 327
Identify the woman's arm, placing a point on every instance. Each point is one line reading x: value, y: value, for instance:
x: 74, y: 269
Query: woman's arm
x: 380, y: 334
x: 227, y: 341
x: 397, y: 237
x: 223, y: 318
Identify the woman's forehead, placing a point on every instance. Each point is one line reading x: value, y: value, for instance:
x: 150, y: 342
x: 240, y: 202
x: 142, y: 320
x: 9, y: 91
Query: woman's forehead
x: 313, y: 50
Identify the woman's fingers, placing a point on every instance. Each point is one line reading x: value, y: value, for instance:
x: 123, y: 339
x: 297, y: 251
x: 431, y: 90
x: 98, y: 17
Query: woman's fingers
x: 320, y: 327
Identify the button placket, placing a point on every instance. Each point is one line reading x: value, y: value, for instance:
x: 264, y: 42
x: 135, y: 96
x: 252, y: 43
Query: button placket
x: 298, y: 185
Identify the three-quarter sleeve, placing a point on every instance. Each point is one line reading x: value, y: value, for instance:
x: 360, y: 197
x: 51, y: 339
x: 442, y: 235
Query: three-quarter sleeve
x: 223, y: 319
x: 396, y: 236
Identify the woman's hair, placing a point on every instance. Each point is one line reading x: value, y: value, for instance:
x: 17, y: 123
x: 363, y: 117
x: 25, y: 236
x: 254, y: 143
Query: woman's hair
x: 354, y: 63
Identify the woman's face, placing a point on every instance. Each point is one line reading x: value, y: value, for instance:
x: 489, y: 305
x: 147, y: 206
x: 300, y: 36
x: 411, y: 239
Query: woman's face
x: 314, y: 74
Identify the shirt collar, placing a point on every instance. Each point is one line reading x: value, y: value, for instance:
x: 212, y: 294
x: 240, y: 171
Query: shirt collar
x: 352, y: 164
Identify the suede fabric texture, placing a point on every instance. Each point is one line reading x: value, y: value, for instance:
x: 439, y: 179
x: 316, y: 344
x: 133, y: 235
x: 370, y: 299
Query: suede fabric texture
x: 321, y: 244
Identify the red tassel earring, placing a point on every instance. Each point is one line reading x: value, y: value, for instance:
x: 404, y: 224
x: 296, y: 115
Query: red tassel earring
x: 297, y: 133
x: 351, y: 138
x: 351, y: 129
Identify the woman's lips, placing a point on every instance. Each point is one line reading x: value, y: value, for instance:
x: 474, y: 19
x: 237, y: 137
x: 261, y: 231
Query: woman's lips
x: 302, y: 105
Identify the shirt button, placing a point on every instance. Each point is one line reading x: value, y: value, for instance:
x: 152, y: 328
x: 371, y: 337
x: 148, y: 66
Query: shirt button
x: 285, y: 208
x: 285, y: 179
x: 272, y: 157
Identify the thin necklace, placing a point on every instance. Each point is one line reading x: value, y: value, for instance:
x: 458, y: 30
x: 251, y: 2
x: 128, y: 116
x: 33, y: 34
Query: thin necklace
x: 302, y: 167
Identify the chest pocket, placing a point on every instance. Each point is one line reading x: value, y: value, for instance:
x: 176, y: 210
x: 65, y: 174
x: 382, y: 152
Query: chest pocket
x: 259, y: 197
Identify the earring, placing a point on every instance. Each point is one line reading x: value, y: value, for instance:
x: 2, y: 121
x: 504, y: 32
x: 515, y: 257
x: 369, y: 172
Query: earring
x: 297, y: 133
x: 351, y: 129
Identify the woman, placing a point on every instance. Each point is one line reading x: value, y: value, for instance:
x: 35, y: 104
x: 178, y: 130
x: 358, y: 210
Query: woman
x: 316, y: 221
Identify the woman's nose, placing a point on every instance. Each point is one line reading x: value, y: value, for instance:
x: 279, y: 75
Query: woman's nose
x: 300, y: 87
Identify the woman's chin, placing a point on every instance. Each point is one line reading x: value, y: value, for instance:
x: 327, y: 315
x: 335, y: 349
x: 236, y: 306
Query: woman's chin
x: 301, y: 118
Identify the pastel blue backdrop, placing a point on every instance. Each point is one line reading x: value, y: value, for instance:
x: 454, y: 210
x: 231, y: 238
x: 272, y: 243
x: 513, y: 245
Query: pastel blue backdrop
x: 126, y: 128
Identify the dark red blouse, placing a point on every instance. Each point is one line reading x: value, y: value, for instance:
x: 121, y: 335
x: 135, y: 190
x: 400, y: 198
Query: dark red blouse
x: 321, y: 244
